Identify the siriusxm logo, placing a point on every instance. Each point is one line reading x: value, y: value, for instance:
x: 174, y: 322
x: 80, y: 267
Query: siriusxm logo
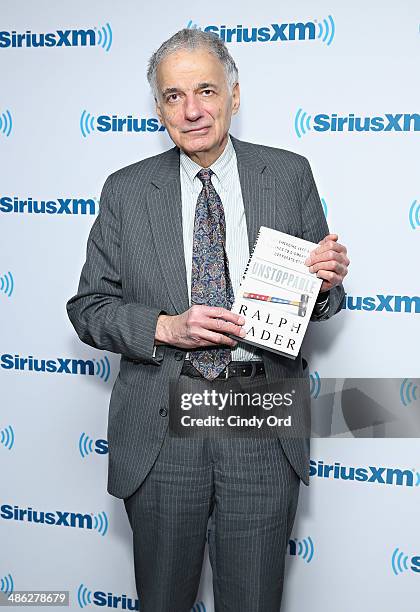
x: 323, y: 30
x: 383, y: 303
x: 408, y: 392
x: 7, y: 437
x: 371, y: 474
x: 6, y: 123
x: 60, y: 206
x: 414, y: 215
x: 106, y: 123
x: 60, y: 365
x: 400, y: 562
x: 6, y: 584
x: 314, y: 384
x: 87, y: 446
x: 7, y: 284
x: 302, y: 548
x: 86, y: 597
x: 97, y: 522
x: 304, y: 123
x: 93, y: 37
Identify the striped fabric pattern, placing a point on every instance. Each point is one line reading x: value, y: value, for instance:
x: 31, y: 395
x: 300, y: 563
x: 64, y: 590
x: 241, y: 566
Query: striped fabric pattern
x: 135, y: 270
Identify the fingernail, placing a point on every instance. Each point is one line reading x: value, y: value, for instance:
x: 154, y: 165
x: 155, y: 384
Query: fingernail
x: 241, y: 320
x: 242, y: 333
x: 307, y: 261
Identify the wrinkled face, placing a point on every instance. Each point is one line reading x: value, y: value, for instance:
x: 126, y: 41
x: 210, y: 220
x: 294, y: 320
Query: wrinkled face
x: 194, y: 102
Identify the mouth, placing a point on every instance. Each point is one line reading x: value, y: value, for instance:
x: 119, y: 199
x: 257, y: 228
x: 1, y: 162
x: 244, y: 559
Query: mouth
x: 196, y: 130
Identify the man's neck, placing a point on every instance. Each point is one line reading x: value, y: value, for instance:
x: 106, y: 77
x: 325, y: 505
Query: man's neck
x: 206, y: 158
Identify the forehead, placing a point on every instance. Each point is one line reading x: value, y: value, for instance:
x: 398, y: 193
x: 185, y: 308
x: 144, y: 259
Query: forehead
x: 184, y: 68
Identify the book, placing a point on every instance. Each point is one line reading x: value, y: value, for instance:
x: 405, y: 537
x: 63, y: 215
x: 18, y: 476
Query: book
x: 277, y: 293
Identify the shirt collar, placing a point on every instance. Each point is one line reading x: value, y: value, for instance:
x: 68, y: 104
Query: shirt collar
x: 220, y: 167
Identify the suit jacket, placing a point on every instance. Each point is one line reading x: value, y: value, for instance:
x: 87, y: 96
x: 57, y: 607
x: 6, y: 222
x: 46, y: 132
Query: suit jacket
x: 135, y: 270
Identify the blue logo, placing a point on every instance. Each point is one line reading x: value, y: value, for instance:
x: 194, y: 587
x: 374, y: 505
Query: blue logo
x: 60, y: 365
x: 59, y: 206
x: 6, y: 584
x: 400, y: 562
x: 314, y: 384
x: 383, y: 303
x: 304, y: 123
x: 323, y: 30
x: 87, y: 446
x: 408, y: 392
x: 7, y: 437
x: 87, y: 597
x: 371, y: 474
x: 6, y: 123
x: 97, y: 36
x: 7, y: 284
x: 104, y: 37
x: 112, y: 123
x: 414, y: 215
x: 96, y: 522
x: 302, y: 548
x: 84, y: 596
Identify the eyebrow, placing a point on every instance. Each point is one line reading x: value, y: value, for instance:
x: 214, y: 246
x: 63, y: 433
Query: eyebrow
x: 204, y: 85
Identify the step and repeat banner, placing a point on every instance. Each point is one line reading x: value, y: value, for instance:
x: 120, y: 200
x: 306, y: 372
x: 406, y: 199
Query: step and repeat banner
x: 335, y: 82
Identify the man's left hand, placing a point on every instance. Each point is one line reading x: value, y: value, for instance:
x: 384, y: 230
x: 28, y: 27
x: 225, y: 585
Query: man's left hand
x: 329, y: 260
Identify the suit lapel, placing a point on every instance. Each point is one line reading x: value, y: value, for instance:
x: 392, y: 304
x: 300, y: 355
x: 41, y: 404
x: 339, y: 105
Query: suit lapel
x: 258, y: 191
x: 165, y: 213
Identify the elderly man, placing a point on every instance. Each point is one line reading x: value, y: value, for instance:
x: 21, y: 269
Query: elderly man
x: 164, y: 259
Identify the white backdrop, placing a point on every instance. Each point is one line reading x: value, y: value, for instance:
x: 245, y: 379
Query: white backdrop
x: 355, y: 543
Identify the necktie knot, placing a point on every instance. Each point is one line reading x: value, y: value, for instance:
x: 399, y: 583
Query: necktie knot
x: 205, y: 175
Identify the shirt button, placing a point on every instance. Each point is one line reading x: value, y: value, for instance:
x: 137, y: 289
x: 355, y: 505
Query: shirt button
x: 179, y: 355
x: 162, y: 411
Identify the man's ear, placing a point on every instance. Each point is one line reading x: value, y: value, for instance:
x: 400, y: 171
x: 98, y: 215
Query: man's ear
x: 236, y: 98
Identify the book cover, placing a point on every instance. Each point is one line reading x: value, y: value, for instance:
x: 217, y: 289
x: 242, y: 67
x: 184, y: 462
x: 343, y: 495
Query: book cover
x: 277, y: 293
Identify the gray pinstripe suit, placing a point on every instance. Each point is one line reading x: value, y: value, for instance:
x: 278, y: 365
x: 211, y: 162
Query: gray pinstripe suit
x: 135, y: 270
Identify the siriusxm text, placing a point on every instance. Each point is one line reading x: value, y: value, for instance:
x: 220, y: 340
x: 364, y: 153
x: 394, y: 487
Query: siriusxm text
x: 383, y: 303
x: 274, y: 32
x: 370, y: 473
x: 350, y: 123
x: 109, y: 600
x: 60, y: 365
x: 56, y: 517
x: 58, y: 38
x: 107, y: 123
x: 60, y: 206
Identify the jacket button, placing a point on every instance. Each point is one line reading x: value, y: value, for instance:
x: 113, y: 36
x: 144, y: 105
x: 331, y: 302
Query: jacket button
x: 162, y: 411
x: 179, y: 355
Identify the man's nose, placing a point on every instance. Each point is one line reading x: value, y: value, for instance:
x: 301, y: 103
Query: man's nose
x: 192, y: 108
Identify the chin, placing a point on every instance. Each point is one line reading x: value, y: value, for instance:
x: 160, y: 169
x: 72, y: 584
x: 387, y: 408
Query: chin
x: 198, y: 144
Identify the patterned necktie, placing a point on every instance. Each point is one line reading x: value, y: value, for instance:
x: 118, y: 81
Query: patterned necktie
x: 210, y: 280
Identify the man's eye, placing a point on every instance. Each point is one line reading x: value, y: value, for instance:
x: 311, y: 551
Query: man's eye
x: 172, y: 97
x: 207, y: 91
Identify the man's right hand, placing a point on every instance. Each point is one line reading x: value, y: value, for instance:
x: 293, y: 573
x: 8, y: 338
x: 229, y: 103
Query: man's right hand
x: 199, y: 326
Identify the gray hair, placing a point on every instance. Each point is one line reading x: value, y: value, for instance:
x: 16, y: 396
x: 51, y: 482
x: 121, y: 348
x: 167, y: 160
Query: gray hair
x: 190, y: 39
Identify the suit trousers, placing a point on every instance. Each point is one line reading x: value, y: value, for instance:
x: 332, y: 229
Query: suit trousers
x: 249, y: 491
